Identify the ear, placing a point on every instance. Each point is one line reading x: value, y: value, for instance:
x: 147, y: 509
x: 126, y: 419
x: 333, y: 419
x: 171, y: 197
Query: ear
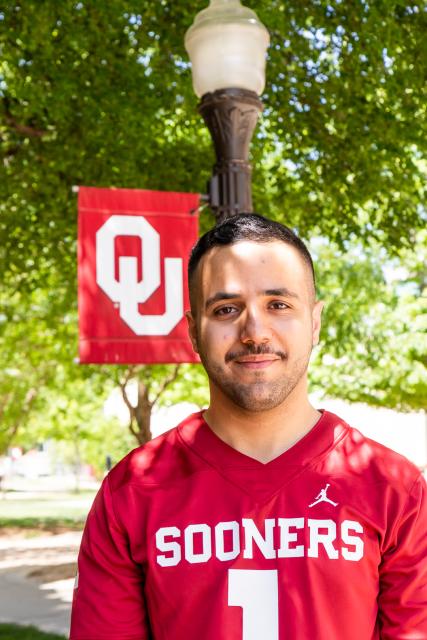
x: 317, y: 320
x: 192, y: 330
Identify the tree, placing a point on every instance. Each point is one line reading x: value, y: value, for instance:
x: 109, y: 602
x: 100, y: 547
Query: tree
x: 100, y: 94
x: 374, y: 339
x: 75, y: 425
x: 37, y: 347
x: 153, y: 382
x: 34, y: 355
x: 345, y: 118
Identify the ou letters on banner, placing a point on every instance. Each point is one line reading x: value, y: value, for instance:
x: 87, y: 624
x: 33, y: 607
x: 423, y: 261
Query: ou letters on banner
x: 133, y: 255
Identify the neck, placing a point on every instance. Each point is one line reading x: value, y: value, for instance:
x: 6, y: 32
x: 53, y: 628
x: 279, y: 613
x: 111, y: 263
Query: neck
x: 262, y: 435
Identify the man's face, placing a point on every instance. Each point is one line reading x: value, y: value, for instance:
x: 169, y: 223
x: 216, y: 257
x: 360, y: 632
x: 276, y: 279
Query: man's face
x: 256, y: 322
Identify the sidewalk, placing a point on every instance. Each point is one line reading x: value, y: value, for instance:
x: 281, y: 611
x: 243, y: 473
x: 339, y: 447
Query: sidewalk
x: 36, y: 580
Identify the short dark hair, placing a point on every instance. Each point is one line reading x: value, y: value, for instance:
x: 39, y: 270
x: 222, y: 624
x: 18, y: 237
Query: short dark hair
x: 245, y: 226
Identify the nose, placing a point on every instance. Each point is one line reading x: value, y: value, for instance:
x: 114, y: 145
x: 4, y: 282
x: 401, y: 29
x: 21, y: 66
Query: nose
x: 255, y: 329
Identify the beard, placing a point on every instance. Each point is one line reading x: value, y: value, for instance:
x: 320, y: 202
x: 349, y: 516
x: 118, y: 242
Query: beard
x: 259, y: 394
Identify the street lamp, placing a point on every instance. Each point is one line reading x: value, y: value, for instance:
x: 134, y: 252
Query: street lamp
x: 227, y: 46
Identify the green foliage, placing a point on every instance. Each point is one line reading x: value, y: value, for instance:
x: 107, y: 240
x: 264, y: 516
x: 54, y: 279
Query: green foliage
x: 191, y: 386
x: 73, y: 419
x: 374, y: 340
x: 36, y: 333
x: 101, y: 95
x: 346, y: 108
x: 43, y: 389
x: 16, y: 632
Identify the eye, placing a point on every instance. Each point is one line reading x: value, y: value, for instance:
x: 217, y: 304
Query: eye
x: 279, y: 305
x: 225, y: 311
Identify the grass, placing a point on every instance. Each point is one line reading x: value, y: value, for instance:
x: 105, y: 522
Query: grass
x: 43, y: 510
x: 16, y: 632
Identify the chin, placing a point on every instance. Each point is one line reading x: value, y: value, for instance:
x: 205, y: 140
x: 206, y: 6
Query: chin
x: 256, y: 403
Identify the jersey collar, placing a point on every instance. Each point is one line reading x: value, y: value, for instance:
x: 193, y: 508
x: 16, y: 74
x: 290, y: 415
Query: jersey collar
x: 252, y: 475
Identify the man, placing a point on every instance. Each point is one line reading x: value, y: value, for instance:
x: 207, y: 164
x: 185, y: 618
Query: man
x: 260, y: 518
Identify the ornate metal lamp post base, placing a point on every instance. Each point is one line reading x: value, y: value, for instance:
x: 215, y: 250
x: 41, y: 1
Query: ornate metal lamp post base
x: 231, y: 116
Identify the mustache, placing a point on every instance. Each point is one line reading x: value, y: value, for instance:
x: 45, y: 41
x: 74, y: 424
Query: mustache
x: 253, y: 350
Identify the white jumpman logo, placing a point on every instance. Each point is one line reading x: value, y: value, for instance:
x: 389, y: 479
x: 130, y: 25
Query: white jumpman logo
x: 322, y: 497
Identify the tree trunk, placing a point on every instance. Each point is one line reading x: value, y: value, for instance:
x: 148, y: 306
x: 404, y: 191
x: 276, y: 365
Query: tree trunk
x: 142, y: 414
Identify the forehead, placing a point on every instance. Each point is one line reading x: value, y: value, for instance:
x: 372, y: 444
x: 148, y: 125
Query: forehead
x: 246, y: 264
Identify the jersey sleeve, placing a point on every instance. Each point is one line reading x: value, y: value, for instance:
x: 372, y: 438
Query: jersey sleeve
x: 403, y: 573
x: 108, y: 601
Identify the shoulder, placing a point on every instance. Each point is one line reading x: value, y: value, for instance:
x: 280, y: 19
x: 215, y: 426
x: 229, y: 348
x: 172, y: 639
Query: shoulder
x: 375, y: 462
x: 157, y: 461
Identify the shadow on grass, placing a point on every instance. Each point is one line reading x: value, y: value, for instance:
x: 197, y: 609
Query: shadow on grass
x: 16, y: 632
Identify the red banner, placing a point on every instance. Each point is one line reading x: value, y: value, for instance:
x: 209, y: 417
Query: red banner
x: 133, y: 249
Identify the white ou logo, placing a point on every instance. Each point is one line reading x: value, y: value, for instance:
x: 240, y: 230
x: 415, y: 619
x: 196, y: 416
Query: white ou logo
x: 127, y: 291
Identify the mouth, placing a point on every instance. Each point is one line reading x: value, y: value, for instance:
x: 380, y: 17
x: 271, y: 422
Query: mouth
x: 261, y: 361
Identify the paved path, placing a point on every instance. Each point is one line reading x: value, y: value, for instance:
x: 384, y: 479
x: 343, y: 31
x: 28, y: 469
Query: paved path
x: 36, y: 580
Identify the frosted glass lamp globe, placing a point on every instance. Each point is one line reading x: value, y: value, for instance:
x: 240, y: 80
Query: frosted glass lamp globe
x: 227, y: 46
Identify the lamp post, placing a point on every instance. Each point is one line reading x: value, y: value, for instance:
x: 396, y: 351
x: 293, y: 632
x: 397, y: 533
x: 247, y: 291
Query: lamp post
x: 227, y: 45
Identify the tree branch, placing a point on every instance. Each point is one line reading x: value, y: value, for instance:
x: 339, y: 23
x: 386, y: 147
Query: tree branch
x: 126, y: 398
x: 129, y: 373
x: 123, y: 385
x: 24, y: 129
x: 132, y: 429
x: 166, y: 382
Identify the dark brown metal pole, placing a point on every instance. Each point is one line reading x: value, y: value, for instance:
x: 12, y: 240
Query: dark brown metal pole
x: 231, y: 116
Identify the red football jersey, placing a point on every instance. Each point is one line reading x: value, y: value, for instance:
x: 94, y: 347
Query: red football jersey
x: 188, y: 539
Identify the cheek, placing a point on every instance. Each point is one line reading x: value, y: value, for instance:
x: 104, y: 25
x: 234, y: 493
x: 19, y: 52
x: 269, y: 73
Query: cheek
x: 295, y: 330
x: 216, y: 335
x: 289, y: 325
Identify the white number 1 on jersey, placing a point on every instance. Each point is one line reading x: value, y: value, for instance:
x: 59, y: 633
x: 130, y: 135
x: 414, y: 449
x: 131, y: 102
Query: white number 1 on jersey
x: 256, y: 591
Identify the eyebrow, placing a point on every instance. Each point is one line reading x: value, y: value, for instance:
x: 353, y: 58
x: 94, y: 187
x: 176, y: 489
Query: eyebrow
x: 223, y: 295
x: 283, y: 291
